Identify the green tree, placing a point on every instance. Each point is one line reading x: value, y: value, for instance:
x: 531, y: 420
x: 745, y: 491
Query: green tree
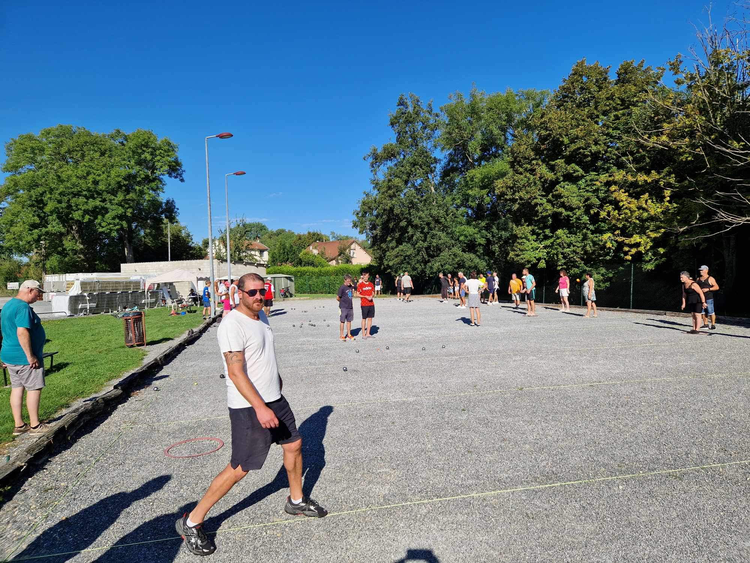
x: 74, y: 197
x: 704, y: 136
x: 241, y: 234
x: 342, y: 253
x: 475, y: 135
x: 155, y: 244
x: 307, y: 258
x: 410, y: 224
x: 561, y: 194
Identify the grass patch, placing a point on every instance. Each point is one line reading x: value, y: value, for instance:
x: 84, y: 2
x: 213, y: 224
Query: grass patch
x: 92, y: 352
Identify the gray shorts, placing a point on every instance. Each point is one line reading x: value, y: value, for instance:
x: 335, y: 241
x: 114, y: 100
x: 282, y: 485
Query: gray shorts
x: 473, y: 300
x: 347, y: 315
x: 25, y: 376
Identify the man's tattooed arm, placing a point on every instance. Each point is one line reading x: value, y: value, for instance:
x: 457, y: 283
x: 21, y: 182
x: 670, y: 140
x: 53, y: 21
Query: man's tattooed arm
x: 233, y: 358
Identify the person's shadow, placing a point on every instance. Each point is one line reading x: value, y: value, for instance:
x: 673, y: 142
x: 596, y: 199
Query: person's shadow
x: 131, y: 547
x: 426, y: 555
x: 68, y: 537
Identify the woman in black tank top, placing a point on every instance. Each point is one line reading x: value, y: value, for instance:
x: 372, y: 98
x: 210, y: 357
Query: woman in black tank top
x: 692, y: 299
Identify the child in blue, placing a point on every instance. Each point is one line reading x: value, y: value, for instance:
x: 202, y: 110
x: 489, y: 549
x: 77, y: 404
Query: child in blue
x: 207, y: 301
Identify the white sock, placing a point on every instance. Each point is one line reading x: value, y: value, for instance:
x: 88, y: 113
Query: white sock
x: 295, y: 501
x: 190, y: 523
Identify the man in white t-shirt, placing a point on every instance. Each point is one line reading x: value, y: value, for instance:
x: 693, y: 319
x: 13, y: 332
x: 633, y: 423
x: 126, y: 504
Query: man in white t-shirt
x: 234, y: 294
x: 408, y: 286
x: 258, y: 412
x: 474, y: 287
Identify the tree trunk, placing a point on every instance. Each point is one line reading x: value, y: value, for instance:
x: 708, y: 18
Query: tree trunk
x: 129, y: 258
x: 730, y: 262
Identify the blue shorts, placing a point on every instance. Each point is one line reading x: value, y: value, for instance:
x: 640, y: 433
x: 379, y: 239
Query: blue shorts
x: 710, y: 306
x: 463, y: 293
x: 206, y: 303
x: 531, y: 295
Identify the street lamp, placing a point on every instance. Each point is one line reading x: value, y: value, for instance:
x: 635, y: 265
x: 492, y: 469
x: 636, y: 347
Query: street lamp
x: 210, y: 225
x: 226, y: 198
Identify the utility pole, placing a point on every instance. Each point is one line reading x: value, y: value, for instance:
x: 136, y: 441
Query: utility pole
x: 169, y: 243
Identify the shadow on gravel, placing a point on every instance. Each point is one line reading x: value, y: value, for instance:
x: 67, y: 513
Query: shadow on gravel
x: 673, y: 323
x: 688, y: 326
x: 419, y: 555
x: 464, y: 320
x: 135, y: 545
x: 686, y: 329
x: 277, y: 313
x: 83, y: 528
x: 573, y: 314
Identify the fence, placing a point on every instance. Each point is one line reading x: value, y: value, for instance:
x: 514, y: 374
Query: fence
x: 104, y: 302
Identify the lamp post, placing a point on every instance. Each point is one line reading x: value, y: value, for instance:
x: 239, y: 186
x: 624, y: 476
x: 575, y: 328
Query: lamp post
x: 226, y: 198
x: 210, y: 225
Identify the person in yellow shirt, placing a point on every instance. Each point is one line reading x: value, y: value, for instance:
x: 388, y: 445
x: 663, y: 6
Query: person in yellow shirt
x: 514, y: 289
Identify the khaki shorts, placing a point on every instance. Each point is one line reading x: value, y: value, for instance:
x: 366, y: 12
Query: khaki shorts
x: 25, y: 376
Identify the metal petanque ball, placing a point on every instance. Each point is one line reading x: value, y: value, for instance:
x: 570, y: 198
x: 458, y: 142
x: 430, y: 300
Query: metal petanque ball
x: 443, y: 345
x: 156, y: 388
x: 222, y: 376
x: 357, y: 351
x: 345, y: 369
x: 423, y: 348
x: 387, y: 347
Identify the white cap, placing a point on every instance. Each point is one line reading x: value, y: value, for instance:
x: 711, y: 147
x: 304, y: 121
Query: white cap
x: 32, y: 284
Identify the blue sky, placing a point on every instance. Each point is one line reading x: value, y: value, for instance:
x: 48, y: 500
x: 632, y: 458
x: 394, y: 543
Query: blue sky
x: 305, y: 87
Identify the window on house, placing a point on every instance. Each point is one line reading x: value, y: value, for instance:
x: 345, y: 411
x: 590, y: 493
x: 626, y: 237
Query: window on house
x: 351, y: 252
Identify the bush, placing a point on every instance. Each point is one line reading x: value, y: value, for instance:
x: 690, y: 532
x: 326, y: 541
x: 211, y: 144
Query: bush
x: 10, y: 271
x: 320, y: 280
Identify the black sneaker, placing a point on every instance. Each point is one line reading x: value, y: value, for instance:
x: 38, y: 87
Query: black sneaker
x: 308, y: 507
x: 713, y: 327
x: 195, y: 538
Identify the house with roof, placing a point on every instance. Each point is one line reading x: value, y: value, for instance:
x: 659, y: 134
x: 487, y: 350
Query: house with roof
x: 333, y: 251
x: 254, y: 251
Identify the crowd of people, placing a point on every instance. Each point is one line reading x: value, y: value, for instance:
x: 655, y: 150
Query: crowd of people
x: 228, y: 294
x: 478, y: 289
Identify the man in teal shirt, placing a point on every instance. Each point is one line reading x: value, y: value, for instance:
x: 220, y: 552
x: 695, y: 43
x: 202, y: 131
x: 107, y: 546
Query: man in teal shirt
x: 530, y: 293
x: 22, y: 350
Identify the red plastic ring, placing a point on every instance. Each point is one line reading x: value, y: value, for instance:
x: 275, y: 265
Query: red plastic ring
x: 216, y: 449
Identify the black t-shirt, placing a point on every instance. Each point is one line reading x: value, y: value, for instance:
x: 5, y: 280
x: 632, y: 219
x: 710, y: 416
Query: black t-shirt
x: 444, y: 283
x: 345, y: 297
x: 705, y: 284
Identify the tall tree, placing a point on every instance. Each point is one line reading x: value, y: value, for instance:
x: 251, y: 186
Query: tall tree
x: 137, y: 201
x: 475, y: 134
x: 74, y: 196
x: 562, y: 192
x: 410, y: 224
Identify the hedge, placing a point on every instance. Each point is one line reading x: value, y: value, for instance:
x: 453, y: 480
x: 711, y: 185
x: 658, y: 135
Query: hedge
x: 308, y: 279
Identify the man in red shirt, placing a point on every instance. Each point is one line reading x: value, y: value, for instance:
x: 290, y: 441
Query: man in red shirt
x: 268, y: 298
x: 366, y: 291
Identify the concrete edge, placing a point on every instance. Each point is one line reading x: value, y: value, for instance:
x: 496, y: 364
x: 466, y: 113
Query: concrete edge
x: 70, y: 420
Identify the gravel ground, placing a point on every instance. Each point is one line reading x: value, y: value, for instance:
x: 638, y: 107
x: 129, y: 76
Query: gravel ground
x: 553, y: 438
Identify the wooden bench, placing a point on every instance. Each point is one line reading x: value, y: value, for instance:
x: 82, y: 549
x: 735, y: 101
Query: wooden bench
x: 50, y: 355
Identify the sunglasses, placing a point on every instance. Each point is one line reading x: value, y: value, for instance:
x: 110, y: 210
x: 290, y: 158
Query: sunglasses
x: 253, y: 292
